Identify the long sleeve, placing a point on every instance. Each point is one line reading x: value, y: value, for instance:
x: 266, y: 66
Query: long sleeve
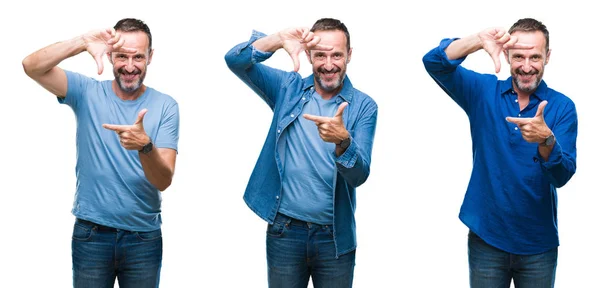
x: 354, y: 164
x: 244, y: 61
x: 464, y: 86
x: 561, y: 164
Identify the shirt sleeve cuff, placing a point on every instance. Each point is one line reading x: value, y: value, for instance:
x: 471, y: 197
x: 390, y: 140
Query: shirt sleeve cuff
x: 349, y: 157
x: 257, y: 55
x: 441, y: 50
x: 554, y: 158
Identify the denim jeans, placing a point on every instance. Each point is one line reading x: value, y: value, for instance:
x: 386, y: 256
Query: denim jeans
x: 490, y: 267
x: 101, y: 254
x: 297, y: 250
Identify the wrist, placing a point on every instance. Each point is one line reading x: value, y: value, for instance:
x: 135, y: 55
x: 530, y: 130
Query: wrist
x: 80, y: 43
x: 548, y: 140
x: 344, y: 143
x: 148, y: 147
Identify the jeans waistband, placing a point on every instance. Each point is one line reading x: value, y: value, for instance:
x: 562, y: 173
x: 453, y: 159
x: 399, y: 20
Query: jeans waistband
x: 296, y: 222
x: 97, y: 226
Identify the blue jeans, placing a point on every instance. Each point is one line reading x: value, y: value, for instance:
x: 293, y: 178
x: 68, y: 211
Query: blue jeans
x: 297, y: 250
x: 101, y: 254
x: 490, y: 267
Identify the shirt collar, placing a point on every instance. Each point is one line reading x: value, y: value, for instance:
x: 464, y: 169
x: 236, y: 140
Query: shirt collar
x: 347, y: 92
x: 540, y: 92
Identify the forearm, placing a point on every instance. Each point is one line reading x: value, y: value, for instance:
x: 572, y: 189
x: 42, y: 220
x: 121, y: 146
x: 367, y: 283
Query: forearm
x: 354, y: 167
x: 354, y: 164
x: 157, y: 169
x: 558, y: 165
x: 244, y: 60
x: 545, y: 151
x: 42, y: 61
x: 269, y: 43
x: 462, y: 47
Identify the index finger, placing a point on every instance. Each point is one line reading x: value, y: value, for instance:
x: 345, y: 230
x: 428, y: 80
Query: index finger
x: 518, y: 121
x: 118, y: 47
x: 126, y: 49
x: 316, y: 119
x: 116, y: 128
x: 322, y: 47
x: 514, y: 44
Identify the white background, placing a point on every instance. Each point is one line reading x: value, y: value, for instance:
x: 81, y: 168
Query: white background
x: 409, y: 234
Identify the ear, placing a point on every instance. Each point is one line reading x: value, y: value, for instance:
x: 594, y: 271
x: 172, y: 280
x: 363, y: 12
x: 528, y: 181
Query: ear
x: 349, y: 56
x: 109, y: 56
x: 506, y: 55
x: 547, y: 56
x: 308, y: 56
x: 150, y: 56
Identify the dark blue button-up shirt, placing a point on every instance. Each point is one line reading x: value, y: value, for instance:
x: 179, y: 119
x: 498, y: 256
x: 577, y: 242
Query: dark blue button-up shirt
x: 511, y: 197
x: 286, y: 93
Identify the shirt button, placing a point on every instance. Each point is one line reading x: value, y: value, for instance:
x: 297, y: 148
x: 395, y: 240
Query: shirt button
x: 516, y: 100
x: 516, y: 128
x: 292, y: 115
x: 278, y: 131
x: 277, y: 197
x: 535, y: 159
x: 519, y: 115
x: 303, y: 98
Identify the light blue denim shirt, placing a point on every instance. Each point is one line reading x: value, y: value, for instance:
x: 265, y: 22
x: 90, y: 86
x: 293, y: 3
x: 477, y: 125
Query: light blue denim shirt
x: 286, y: 93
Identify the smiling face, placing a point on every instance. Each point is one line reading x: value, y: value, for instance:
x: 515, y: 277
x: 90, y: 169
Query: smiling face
x: 527, y: 65
x: 130, y: 68
x: 329, y: 67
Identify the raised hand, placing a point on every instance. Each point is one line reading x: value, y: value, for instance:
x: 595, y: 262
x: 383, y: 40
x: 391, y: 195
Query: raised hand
x: 534, y: 130
x: 297, y: 40
x: 132, y: 137
x: 496, y: 40
x: 331, y: 129
x: 99, y: 42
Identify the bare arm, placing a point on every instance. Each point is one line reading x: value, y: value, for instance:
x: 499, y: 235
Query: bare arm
x: 159, y: 163
x: 463, y: 47
x: 159, y: 166
x: 270, y: 43
x: 41, y: 66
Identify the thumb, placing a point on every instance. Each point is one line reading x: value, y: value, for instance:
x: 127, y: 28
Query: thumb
x: 340, y: 110
x: 140, y: 118
x: 99, y: 62
x: 496, y: 58
x: 540, y: 110
x: 296, y: 61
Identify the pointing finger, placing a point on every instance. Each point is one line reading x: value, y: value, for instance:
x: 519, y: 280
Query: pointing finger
x: 518, y: 121
x: 116, y: 128
x: 316, y: 119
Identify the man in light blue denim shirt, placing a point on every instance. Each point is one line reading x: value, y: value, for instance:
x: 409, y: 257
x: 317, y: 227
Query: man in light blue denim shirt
x: 305, y: 179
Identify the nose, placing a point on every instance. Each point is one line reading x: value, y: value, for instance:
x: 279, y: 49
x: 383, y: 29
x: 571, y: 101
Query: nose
x: 129, y: 67
x: 329, y: 63
x: 526, y: 66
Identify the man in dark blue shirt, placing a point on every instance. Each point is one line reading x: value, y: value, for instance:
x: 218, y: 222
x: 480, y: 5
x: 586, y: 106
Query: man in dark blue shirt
x: 524, y: 147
